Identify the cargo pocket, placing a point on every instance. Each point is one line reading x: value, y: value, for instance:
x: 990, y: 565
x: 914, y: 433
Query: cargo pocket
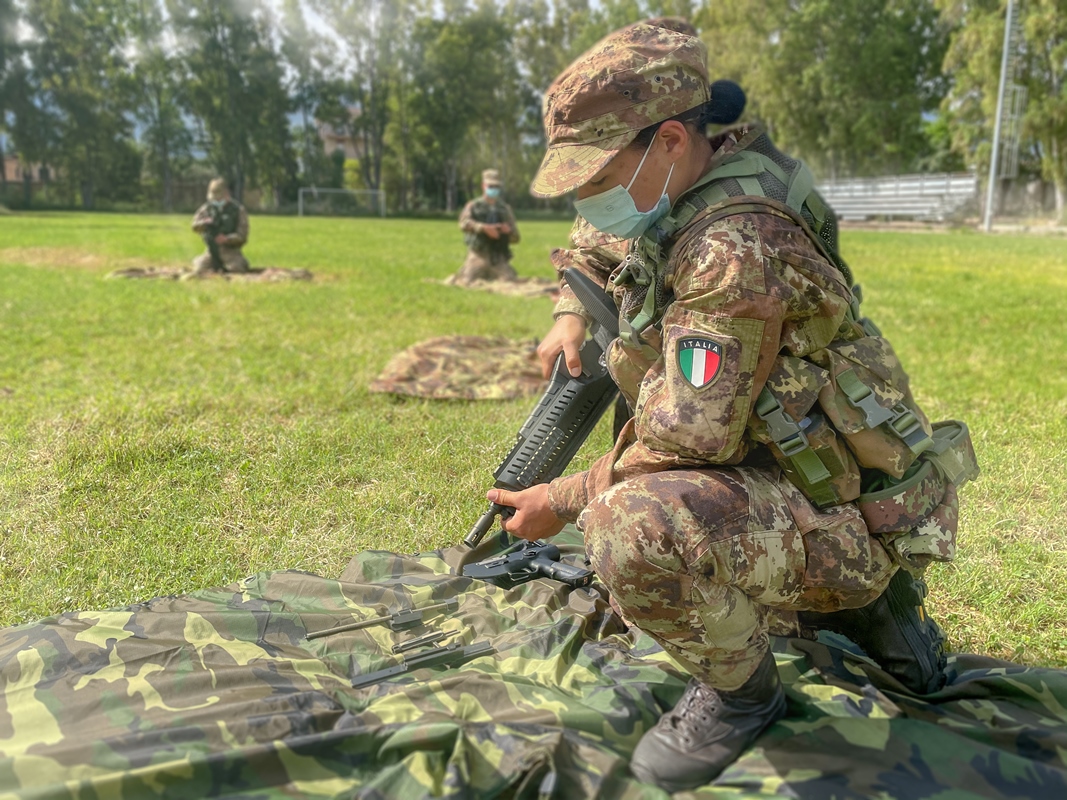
x: 695, y: 400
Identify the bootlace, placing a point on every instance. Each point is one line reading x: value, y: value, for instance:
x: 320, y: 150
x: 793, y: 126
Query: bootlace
x: 696, y: 712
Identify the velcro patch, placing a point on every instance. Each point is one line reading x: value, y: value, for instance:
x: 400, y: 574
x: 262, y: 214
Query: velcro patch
x: 700, y: 360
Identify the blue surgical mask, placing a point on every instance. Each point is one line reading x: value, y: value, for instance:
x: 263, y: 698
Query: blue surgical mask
x: 492, y: 191
x: 615, y: 212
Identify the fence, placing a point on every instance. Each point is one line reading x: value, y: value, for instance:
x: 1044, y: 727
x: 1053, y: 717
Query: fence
x: 935, y: 196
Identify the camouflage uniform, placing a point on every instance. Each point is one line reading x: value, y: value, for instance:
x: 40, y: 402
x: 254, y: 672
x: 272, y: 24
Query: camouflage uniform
x: 690, y: 520
x: 232, y: 220
x: 487, y: 258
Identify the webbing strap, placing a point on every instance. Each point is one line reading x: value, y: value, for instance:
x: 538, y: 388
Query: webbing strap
x: 900, y: 419
x: 791, y: 440
x: 951, y: 452
x: 801, y: 183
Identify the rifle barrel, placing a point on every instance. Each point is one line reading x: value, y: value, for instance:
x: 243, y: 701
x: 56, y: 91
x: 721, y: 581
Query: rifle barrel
x: 482, y: 526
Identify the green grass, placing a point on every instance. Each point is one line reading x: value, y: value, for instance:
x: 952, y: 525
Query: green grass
x: 159, y: 437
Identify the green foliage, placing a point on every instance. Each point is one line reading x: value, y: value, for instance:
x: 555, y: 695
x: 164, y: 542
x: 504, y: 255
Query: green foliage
x: 843, y: 84
x: 161, y: 437
x: 353, y: 174
x: 974, y: 60
x: 460, y: 83
x: 433, y: 94
x: 83, y: 87
x: 234, y: 84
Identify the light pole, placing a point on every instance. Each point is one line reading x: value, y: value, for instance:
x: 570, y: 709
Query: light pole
x: 991, y: 189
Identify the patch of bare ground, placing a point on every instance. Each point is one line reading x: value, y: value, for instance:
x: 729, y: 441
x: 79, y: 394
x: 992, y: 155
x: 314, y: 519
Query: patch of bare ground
x: 64, y: 258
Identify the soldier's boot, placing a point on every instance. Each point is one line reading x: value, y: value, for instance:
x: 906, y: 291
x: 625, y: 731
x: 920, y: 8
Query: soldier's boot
x: 895, y: 631
x: 708, y: 730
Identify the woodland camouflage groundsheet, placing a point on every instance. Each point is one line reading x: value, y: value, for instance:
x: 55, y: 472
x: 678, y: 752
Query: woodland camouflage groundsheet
x: 464, y: 368
x: 219, y: 694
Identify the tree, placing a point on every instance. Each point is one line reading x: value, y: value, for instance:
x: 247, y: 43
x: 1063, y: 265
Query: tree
x: 461, y: 71
x: 369, y: 31
x: 843, y: 83
x: 8, y: 60
x: 166, y: 137
x: 82, y: 93
x: 973, y: 61
x: 315, y: 87
x: 234, y: 87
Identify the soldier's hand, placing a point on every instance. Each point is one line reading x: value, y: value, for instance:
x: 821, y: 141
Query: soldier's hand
x: 492, y: 231
x: 220, y: 239
x: 566, y: 337
x: 504, y: 228
x: 534, y: 518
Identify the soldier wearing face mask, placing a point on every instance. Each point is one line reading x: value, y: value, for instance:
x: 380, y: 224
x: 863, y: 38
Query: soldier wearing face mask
x: 222, y: 223
x: 777, y: 465
x: 489, y: 229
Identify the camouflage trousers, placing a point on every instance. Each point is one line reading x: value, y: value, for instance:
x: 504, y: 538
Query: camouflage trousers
x: 479, y: 267
x: 233, y: 260
x: 700, y: 560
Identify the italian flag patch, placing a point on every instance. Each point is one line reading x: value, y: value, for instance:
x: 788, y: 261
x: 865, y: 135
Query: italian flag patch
x: 699, y: 360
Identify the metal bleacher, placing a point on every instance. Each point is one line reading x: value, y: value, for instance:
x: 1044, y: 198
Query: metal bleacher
x: 923, y: 197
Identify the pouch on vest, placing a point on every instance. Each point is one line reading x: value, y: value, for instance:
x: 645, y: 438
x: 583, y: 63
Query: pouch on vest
x: 917, y: 516
x: 867, y: 401
x: 799, y: 437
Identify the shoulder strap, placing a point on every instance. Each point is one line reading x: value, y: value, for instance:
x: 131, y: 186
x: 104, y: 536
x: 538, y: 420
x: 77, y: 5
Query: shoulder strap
x: 745, y: 167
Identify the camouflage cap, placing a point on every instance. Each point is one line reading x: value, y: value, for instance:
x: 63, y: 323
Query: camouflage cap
x: 491, y: 177
x: 677, y: 24
x: 217, y: 189
x: 634, y: 78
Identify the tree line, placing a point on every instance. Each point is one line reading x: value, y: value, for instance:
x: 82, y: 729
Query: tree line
x: 122, y: 100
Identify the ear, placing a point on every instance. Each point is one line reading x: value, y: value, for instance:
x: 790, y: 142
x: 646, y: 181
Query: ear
x: 674, y: 136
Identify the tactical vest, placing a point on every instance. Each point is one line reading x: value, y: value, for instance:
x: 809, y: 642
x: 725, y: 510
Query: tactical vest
x: 229, y: 218
x: 492, y: 214
x: 225, y: 217
x: 847, y: 416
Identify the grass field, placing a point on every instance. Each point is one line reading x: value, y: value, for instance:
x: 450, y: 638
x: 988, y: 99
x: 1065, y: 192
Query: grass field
x: 159, y: 437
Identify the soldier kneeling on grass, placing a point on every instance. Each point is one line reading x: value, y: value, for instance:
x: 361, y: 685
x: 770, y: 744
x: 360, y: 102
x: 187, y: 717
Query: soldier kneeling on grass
x: 489, y: 229
x: 777, y: 465
x: 222, y: 223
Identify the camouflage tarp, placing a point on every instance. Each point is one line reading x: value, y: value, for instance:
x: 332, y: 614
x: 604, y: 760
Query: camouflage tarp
x: 520, y: 287
x: 255, y: 275
x: 464, y: 368
x: 219, y: 693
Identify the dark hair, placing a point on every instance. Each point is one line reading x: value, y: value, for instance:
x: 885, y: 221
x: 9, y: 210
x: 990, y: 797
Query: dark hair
x: 698, y: 117
x: 725, y: 108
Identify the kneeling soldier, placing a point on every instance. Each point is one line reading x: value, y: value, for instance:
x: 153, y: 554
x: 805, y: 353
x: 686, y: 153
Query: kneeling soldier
x: 777, y: 464
x: 223, y: 225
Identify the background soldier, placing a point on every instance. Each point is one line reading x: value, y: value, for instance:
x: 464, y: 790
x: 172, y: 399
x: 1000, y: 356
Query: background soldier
x: 222, y: 223
x: 489, y: 229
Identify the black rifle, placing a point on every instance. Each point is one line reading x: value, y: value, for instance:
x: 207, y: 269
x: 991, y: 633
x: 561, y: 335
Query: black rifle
x: 208, y: 234
x: 525, y: 561
x: 452, y: 655
x: 566, y: 413
x: 397, y: 621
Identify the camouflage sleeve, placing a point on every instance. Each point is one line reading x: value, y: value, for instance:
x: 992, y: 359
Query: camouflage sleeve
x: 467, y: 222
x: 201, y: 219
x: 747, y: 288
x: 592, y: 253
x: 240, y: 236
